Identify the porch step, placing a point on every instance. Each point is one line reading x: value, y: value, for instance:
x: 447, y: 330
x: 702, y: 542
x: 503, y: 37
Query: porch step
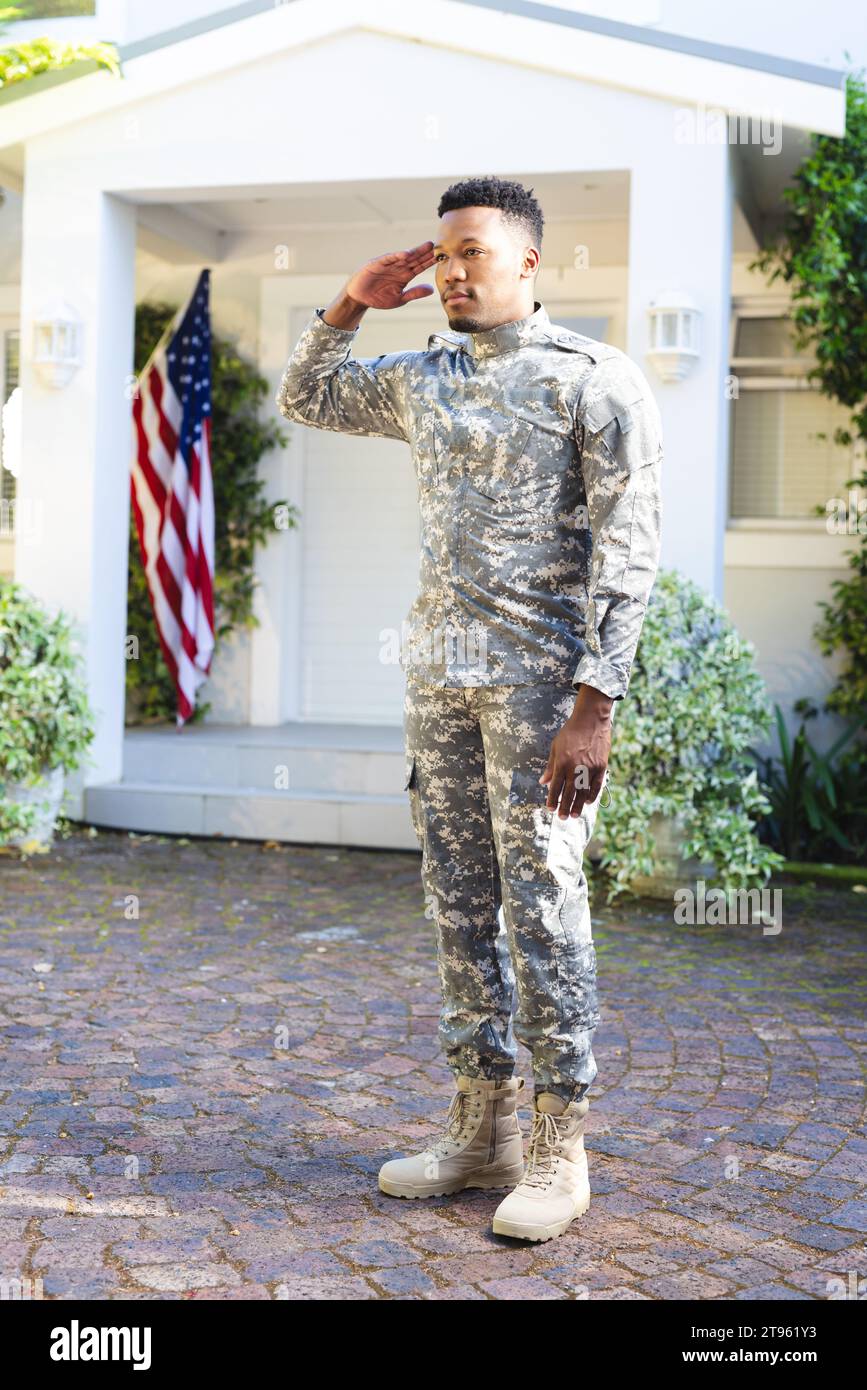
x: 250, y: 813
x: 325, y: 757
x: 304, y: 783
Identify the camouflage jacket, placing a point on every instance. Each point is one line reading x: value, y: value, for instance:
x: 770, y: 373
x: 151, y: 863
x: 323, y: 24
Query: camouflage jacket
x: 538, y: 454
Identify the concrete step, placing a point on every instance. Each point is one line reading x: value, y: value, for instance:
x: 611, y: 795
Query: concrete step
x: 367, y: 760
x: 330, y: 784
x: 254, y: 813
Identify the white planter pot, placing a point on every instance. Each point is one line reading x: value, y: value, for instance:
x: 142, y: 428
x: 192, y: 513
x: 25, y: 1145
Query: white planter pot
x: 671, y: 869
x: 47, y: 793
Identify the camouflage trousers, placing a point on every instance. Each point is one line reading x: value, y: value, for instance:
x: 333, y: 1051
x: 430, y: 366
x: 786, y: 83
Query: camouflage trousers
x: 503, y: 881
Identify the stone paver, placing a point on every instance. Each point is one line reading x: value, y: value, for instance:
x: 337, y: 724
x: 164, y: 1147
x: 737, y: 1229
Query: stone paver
x: 231, y: 1038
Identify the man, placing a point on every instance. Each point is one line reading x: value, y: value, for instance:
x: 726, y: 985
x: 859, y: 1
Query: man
x: 538, y: 455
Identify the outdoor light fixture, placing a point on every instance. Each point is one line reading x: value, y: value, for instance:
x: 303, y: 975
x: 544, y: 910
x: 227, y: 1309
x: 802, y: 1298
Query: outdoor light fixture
x: 674, y: 335
x: 57, y: 335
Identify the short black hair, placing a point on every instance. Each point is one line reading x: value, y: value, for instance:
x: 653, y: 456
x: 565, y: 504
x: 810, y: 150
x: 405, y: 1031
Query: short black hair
x: 516, y: 203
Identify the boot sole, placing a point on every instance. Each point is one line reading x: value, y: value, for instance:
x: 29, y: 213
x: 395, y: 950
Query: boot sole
x: 528, y: 1230
x: 510, y: 1177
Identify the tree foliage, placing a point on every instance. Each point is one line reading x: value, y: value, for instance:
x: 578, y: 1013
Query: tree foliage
x: 822, y: 253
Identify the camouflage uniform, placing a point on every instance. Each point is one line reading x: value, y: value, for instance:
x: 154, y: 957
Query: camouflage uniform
x: 538, y: 454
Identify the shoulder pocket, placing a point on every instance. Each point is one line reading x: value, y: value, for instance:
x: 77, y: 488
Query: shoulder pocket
x: 611, y: 406
x: 621, y: 434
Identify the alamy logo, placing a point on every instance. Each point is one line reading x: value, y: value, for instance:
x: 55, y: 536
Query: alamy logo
x: 76, y: 1343
x: 20, y: 1287
x: 716, y: 907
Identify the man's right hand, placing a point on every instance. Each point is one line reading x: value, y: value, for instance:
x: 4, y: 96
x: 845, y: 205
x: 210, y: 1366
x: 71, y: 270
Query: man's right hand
x: 381, y: 283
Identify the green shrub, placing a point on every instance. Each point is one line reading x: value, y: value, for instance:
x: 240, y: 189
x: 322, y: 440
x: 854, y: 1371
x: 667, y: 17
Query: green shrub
x: 49, y: 9
x: 45, y: 717
x: 31, y: 57
x: 681, y: 744
x: 818, y: 800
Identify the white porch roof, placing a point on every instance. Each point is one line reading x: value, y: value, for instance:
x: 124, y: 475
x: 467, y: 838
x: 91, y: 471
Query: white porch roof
x: 178, y: 64
x: 670, y: 67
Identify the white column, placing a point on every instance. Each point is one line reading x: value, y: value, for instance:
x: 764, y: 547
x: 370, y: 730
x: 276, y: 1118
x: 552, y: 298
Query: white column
x: 275, y: 645
x: 680, y: 222
x: 79, y: 244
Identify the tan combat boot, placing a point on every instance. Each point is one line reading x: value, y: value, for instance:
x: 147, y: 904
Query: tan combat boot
x: 481, y: 1146
x: 555, y: 1187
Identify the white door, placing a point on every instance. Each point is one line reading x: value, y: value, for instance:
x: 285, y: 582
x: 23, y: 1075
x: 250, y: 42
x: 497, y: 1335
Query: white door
x: 360, y: 537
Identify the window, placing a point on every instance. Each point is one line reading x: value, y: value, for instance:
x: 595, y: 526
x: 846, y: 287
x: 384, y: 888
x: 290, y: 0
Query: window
x: 9, y: 362
x: 778, y: 465
x: 589, y: 327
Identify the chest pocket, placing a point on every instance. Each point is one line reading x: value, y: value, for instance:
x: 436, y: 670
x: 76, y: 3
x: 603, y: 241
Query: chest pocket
x: 495, y: 446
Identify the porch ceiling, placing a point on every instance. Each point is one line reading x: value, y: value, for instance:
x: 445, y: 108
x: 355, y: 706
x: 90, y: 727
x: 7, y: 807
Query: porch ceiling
x: 227, y: 224
x: 235, y: 224
x: 376, y: 202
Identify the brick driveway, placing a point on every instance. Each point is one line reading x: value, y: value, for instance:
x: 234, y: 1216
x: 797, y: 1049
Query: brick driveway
x: 196, y: 1096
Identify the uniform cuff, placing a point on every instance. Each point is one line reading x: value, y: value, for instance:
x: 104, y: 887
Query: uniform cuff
x: 318, y: 324
x: 611, y: 680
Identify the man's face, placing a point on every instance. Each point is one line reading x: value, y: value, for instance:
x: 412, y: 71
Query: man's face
x: 479, y: 257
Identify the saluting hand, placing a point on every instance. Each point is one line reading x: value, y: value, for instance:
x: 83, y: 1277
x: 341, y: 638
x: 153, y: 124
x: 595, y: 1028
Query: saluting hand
x: 381, y: 283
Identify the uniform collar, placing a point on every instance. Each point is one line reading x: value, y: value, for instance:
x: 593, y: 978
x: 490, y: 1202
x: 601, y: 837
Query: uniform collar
x: 508, y: 335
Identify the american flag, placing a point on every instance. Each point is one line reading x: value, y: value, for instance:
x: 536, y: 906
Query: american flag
x: 173, y: 494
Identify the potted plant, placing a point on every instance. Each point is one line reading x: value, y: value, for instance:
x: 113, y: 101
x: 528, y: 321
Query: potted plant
x: 684, y: 787
x: 818, y: 800
x: 45, y: 719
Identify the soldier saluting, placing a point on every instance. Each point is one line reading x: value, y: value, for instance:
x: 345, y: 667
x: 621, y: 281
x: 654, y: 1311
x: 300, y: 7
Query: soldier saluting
x: 538, y: 454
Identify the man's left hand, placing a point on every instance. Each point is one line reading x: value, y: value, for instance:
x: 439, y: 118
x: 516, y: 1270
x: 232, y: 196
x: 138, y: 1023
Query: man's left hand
x: 579, y: 754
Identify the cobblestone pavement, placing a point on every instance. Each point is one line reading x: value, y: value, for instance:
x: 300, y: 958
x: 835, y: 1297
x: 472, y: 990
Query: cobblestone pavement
x: 210, y: 1047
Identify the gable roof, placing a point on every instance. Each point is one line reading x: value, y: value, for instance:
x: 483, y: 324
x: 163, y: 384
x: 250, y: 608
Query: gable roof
x: 550, y: 14
x: 670, y: 67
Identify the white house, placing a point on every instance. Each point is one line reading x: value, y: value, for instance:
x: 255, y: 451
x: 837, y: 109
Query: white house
x: 284, y: 144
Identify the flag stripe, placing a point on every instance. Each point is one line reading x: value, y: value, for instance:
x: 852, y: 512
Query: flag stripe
x: 173, y: 496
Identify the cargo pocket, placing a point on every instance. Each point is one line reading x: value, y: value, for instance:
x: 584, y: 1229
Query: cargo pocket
x: 576, y: 970
x: 410, y: 785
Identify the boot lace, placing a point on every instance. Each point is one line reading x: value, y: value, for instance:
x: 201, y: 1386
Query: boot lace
x: 460, y: 1112
x: 542, y: 1154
